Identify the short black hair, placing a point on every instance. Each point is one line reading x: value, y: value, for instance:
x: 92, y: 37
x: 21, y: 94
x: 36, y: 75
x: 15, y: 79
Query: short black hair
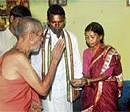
x: 20, y: 11
x: 55, y: 10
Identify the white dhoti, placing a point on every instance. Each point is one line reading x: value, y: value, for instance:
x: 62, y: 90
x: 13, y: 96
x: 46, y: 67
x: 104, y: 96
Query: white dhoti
x: 58, y: 93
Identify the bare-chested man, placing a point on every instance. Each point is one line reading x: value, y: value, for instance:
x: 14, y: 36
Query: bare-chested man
x: 19, y: 83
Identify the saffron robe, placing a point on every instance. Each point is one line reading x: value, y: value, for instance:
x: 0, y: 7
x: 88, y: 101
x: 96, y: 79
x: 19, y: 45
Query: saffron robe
x: 16, y: 95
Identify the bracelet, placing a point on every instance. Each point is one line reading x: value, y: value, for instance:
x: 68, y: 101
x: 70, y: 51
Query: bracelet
x: 88, y: 81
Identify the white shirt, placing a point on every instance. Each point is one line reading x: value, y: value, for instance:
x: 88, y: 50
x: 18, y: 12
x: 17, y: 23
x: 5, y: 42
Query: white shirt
x: 59, y: 84
x: 7, y: 41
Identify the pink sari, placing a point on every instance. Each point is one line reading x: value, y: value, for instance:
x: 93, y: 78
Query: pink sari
x: 101, y: 96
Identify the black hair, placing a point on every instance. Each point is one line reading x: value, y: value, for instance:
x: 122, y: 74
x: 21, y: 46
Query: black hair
x: 20, y: 11
x: 96, y: 28
x: 55, y: 10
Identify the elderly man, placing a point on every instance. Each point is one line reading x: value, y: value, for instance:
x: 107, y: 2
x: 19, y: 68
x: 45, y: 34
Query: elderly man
x: 19, y: 83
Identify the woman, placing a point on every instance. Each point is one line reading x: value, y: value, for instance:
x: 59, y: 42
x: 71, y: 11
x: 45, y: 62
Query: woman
x: 102, y: 73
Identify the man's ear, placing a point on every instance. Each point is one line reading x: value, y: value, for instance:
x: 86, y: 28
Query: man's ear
x: 11, y: 18
x: 31, y: 37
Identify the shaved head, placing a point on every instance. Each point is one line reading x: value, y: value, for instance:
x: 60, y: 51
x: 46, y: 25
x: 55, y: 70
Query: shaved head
x: 28, y: 24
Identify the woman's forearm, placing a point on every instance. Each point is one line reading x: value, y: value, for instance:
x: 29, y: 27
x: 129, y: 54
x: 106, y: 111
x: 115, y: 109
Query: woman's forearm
x: 100, y: 78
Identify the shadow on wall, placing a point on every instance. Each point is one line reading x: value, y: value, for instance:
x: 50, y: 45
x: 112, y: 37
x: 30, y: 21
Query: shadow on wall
x: 124, y: 100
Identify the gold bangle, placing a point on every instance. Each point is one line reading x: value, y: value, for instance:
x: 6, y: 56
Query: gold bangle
x: 88, y: 82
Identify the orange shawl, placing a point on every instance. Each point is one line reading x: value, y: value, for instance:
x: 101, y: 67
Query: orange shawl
x: 16, y: 95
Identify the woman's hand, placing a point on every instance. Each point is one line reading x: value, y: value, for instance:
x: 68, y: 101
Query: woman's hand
x: 79, y: 82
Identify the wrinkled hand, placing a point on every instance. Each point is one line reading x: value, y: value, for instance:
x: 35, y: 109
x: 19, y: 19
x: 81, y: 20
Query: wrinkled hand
x: 58, y: 50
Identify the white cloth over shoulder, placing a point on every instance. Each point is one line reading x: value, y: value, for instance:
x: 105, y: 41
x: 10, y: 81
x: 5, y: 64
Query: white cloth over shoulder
x: 59, y: 101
